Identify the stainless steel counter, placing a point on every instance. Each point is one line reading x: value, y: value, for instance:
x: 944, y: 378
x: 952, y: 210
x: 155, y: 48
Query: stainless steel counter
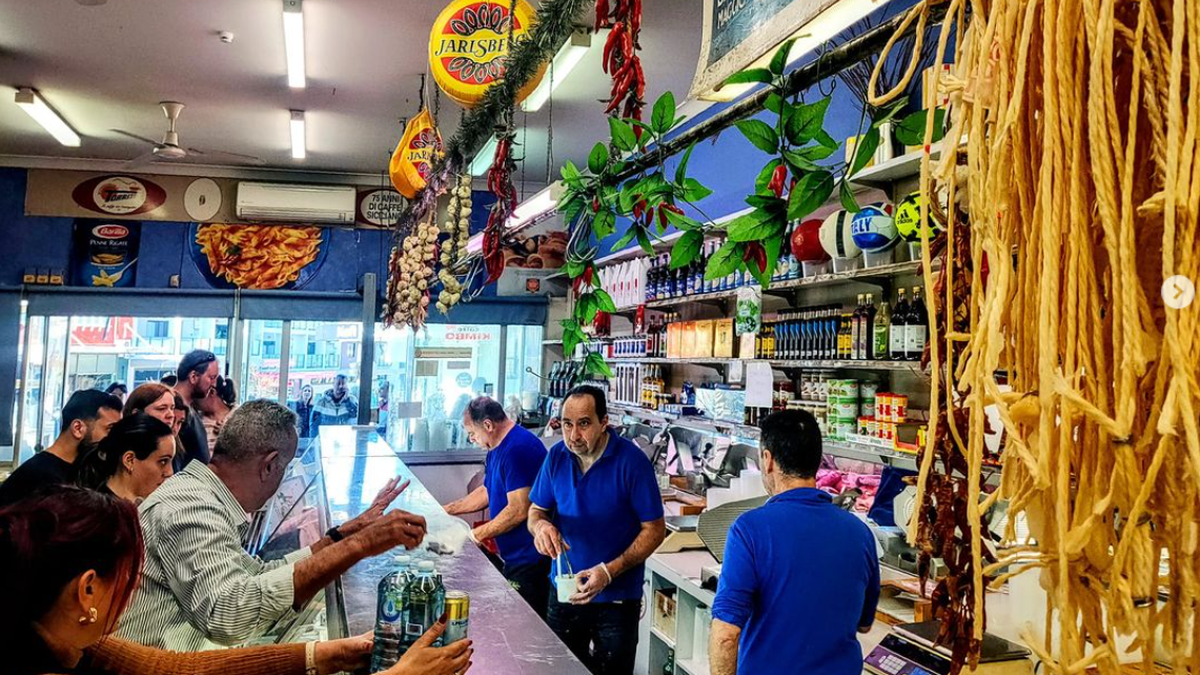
x: 508, y: 636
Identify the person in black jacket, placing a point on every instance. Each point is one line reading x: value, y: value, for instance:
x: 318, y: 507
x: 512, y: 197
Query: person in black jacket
x: 197, y: 375
x: 86, y: 420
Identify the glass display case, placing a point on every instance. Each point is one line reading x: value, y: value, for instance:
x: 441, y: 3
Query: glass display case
x: 296, y: 517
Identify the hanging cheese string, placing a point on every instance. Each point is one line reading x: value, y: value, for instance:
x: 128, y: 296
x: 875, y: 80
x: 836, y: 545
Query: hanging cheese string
x: 1077, y: 187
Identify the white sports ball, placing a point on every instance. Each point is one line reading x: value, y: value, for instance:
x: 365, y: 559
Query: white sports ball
x: 836, y: 237
x: 874, y: 229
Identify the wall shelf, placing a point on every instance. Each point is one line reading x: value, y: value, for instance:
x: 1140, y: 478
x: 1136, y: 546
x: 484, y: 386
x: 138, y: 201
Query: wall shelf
x: 907, y: 165
x: 666, y: 639
x: 783, y: 364
x: 866, y: 275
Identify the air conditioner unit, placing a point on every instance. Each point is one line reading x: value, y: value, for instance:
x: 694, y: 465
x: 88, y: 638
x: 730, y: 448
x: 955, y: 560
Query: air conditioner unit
x: 296, y: 203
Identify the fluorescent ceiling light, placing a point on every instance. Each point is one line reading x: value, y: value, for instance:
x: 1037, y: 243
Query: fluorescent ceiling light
x: 564, y: 62
x: 33, y: 105
x: 542, y: 203
x: 483, y: 158
x: 293, y: 42
x: 299, y: 146
x: 836, y: 18
x: 527, y: 212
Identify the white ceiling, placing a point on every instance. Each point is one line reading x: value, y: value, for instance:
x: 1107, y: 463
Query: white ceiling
x: 108, y: 66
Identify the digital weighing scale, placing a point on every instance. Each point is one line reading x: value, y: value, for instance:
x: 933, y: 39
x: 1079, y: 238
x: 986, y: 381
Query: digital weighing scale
x: 909, y: 650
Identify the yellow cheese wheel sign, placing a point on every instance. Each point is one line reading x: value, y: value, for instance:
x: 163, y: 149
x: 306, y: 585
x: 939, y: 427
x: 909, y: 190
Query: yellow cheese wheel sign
x: 413, y: 158
x: 468, y: 47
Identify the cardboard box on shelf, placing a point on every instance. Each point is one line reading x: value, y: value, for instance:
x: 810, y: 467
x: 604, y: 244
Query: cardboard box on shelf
x: 704, y: 339
x: 687, y: 348
x: 723, y: 338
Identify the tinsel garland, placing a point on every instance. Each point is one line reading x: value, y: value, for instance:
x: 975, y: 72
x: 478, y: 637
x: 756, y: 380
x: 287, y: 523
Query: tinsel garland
x: 556, y: 20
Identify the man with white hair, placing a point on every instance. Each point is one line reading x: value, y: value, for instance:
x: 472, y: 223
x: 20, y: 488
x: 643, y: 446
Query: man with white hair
x: 200, y: 589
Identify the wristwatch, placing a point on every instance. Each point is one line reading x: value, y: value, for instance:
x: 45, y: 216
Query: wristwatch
x: 334, y: 534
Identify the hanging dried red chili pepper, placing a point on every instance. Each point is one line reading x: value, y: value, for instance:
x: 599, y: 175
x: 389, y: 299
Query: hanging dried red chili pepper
x: 943, y: 525
x: 499, y: 183
x: 621, y: 58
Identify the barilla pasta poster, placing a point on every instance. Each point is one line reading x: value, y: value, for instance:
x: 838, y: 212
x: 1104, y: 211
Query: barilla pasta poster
x: 104, y: 253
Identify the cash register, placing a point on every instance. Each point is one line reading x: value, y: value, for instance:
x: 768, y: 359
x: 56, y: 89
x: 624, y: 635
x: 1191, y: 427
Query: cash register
x: 909, y: 650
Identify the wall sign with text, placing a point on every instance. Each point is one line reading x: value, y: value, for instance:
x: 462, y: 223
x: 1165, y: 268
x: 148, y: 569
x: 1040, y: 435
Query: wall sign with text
x: 739, y: 32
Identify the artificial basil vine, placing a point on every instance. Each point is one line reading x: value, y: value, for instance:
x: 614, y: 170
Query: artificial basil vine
x: 594, y: 203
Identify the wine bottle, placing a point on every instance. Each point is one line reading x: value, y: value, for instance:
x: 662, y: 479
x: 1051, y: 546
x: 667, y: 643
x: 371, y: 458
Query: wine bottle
x: 867, y: 334
x: 897, y: 335
x: 916, y: 328
x: 856, y: 329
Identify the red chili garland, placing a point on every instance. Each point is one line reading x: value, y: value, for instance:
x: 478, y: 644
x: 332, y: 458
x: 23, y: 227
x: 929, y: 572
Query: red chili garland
x: 500, y: 184
x: 620, y: 56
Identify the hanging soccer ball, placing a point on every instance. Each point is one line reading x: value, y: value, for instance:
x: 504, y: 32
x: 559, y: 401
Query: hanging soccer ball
x: 806, y: 242
x: 836, y: 237
x: 908, y: 216
x: 873, y: 228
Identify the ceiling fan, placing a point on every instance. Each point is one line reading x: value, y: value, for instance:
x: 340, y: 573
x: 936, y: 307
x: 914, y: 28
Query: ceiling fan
x: 169, y: 149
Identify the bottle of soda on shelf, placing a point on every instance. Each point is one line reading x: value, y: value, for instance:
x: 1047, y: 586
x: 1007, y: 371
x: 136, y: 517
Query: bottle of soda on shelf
x: 897, y: 332
x: 880, y: 343
x: 916, y: 329
x: 867, y: 334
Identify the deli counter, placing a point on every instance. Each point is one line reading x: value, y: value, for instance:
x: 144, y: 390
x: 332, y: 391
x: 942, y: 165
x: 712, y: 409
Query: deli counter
x: 333, y: 479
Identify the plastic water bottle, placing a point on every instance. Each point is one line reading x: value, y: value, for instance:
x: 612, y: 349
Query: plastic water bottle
x: 389, y: 615
x: 424, y: 602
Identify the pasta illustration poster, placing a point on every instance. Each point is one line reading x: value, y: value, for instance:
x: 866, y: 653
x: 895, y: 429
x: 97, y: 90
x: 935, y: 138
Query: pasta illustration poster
x: 258, y: 257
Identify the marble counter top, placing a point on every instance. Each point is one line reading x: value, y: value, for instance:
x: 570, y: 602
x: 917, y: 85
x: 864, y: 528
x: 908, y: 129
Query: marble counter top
x: 508, y: 636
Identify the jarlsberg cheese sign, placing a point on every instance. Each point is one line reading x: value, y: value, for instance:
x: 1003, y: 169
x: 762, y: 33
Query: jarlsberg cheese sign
x: 468, y: 47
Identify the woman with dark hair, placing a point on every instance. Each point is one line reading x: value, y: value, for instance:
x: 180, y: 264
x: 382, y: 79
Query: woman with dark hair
x: 155, y: 399
x: 132, y: 461
x: 181, y: 413
x: 215, y: 408
x: 69, y: 564
x: 119, y: 390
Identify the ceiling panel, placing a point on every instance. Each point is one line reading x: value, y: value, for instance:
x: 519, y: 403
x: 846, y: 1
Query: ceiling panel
x: 107, y: 67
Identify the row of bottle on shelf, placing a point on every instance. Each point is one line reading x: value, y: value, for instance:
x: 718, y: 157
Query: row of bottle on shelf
x: 642, y: 280
x: 867, y: 333
x: 826, y: 333
x: 845, y: 409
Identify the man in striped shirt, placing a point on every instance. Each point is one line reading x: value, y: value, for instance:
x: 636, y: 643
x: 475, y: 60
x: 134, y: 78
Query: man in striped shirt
x: 200, y: 589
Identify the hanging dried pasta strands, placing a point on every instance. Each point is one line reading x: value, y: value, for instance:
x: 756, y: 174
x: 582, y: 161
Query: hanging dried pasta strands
x: 1080, y: 198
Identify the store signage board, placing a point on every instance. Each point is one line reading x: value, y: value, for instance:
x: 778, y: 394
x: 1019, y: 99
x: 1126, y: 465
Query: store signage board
x: 737, y: 33
x: 179, y: 199
x: 468, y: 47
x: 380, y: 207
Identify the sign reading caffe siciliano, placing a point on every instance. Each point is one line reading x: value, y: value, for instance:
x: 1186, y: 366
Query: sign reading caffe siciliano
x: 739, y: 32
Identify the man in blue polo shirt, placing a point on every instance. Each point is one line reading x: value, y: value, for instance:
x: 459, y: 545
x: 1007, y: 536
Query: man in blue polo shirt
x: 514, y: 458
x: 596, y: 504
x: 800, y: 575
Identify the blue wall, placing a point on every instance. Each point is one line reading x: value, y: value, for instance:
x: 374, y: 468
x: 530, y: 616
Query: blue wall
x: 728, y: 164
x: 46, y: 242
